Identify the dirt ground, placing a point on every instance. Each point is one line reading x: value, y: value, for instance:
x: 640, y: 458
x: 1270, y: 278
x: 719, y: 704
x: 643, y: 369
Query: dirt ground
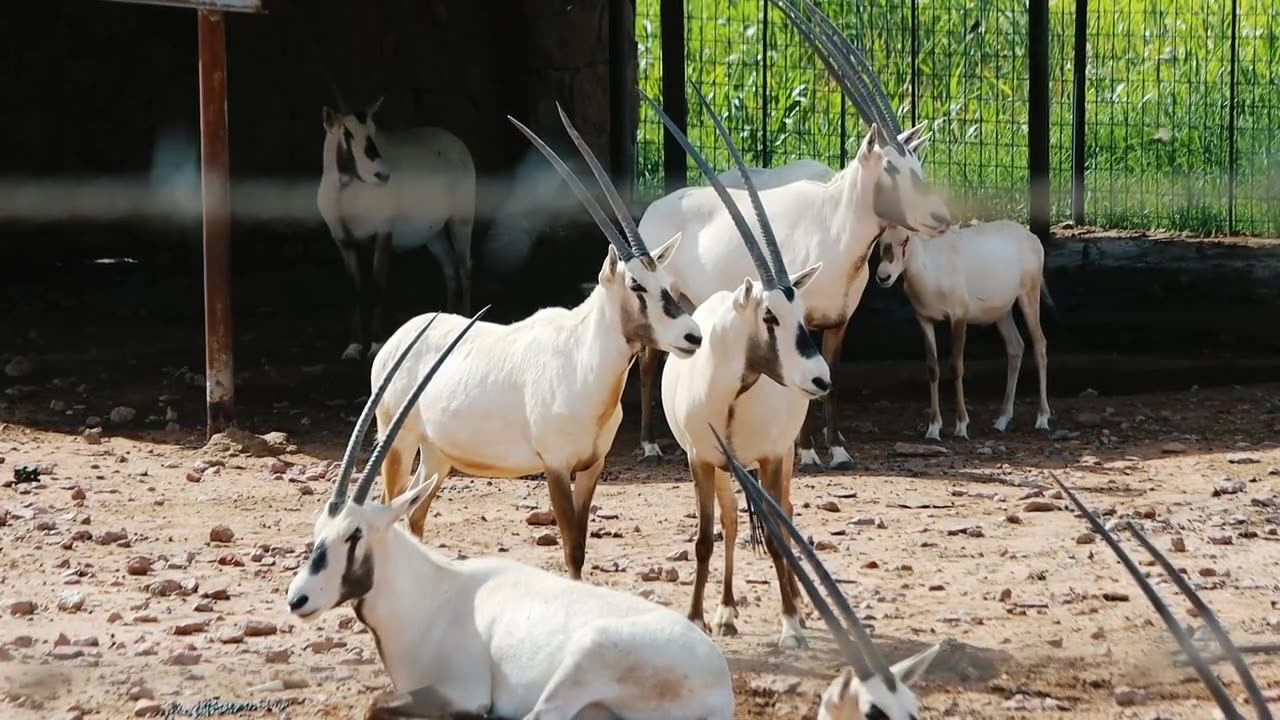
x: 1032, y: 621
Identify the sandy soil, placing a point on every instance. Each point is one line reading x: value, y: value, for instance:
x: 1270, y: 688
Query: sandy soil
x: 1020, y: 604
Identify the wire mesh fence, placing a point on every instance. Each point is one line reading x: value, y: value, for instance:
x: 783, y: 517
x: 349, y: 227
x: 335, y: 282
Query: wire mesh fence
x: 1182, y: 98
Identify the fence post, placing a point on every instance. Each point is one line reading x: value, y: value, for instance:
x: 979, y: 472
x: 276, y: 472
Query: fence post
x: 675, y: 103
x: 766, y: 152
x: 1078, y: 147
x: 1040, y: 198
x: 1231, y: 119
x: 915, y: 61
x: 622, y: 129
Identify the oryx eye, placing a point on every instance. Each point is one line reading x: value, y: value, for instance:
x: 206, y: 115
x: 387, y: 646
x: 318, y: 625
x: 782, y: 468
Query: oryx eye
x: 355, y: 536
x: 637, y: 287
x: 770, y: 318
x: 875, y: 713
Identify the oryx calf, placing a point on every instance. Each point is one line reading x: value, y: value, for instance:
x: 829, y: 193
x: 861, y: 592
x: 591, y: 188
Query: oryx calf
x: 751, y: 382
x: 542, y: 394
x: 493, y: 637
x: 383, y: 191
x: 972, y: 276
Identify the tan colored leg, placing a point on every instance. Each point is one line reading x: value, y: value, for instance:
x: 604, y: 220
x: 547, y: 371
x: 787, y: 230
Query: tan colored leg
x: 1013, y: 347
x: 957, y: 360
x: 704, y: 487
x: 1030, y: 304
x: 727, y: 614
x: 931, y: 362
x: 773, y: 480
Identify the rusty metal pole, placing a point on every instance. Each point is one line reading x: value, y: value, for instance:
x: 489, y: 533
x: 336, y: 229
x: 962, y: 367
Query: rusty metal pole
x: 215, y: 187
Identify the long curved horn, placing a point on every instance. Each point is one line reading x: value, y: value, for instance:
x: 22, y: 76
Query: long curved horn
x: 384, y: 443
x: 1219, y: 693
x: 366, y: 418
x: 593, y: 207
x: 762, y: 219
x: 744, y: 229
x: 620, y: 209
x: 769, y: 509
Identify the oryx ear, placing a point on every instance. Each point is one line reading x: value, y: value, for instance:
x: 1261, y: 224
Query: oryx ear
x: 610, y: 268
x: 918, y: 146
x: 912, y: 669
x: 743, y: 297
x: 373, y: 107
x: 869, y: 142
x: 908, y: 136
x: 805, y: 276
x: 664, y: 253
x: 330, y: 118
x: 410, y: 499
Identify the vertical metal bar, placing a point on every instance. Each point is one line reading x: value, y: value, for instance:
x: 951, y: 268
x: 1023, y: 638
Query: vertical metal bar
x: 915, y: 61
x: 1231, y: 119
x: 766, y: 152
x: 622, y: 130
x: 215, y: 187
x: 844, y: 131
x: 675, y: 103
x: 1040, y: 199
x: 1078, y: 147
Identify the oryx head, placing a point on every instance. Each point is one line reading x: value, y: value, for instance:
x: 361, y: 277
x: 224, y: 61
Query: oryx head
x: 893, y: 255
x: 351, y: 146
x: 349, y: 532
x: 632, y: 276
x: 889, y: 158
x: 1220, y: 694
x: 779, y: 345
x: 870, y: 688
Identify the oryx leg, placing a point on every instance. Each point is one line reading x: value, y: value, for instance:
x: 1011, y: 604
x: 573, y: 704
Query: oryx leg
x: 351, y: 260
x: 1013, y: 347
x: 1029, y: 301
x: 430, y: 464
x: 832, y: 342
x: 424, y: 702
x: 651, y: 360
x: 441, y: 247
x: 704, y: 488
x: 774, y: 480
x: 931, y: 361
x: 380, y: 292
x: 575, y: 552
x: 584, y: 488
x: 809, y: 461
x: 957, y: 361
x: 459, y: 229
x: 727, y: 613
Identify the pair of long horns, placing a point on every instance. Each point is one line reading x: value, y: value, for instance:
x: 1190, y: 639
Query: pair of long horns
x: 383, y: 446
x: 633, y: 246
x: 773, y: 271
x: 847, y: 66
x: 855, y: 642
x: 1219, y: 693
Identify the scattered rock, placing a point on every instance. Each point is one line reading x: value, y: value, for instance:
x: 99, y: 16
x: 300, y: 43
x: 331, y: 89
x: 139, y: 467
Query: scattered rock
x: 1178, y: 544
x: 1227, y: 486
x: 1086, y: 539
x: 1055, y: 642
x: 230, y: 637
x: 221, y: 534
x: 829, y: 506
x: 825, y: 546
x: 183, y: 658
x: 1040, y: 506
x: 66, y: 652
x: 21, y: 608
x: 163, y: 588
x: 147, y: 708
x: 19, y: 367
x: 1242, y: 459
x: 670, y: 574
x: 140, y: 692
x: 918, y: 450
x: 259, y: 628
x: 230, y: 560
x: 1089, y: 393
x: 771, y: 685
x: 190, y: 628
x: 1113, y: 596
x: 678, y: 556
x: 1006, y: 595
x: 1013, y: 518
x: 277, y: 657
x: 547, y: 539
x: 92, y: 436
x: 140, y: 565
x: 540, y: 518
x: 1129, y: 697
x: 1222, y: 539
x: 1173, y: 448
x: 71, y: 602
x: 122, y: 414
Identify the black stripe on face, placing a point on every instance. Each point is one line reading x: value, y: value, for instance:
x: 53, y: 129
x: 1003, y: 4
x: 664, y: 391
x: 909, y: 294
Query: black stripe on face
x: 371, y: 149
x: 804, y: 343
x: 319, y: 559
x: 346, y: 159
x: 357, y: 578
x: 670, y: 307
x: 789, y: 293
x: 887, y: 202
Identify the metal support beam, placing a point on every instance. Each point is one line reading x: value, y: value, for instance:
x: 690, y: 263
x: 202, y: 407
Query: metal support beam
x: 215, y: 185
x: 622, y: 97
x: 1078, y: 109
x: 1041, y: 199
x: 675, y: 103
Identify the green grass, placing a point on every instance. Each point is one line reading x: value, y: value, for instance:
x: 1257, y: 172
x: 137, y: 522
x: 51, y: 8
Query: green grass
x: 1158, y: 79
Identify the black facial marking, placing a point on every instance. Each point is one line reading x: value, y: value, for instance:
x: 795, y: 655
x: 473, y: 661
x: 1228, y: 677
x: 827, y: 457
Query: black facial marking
x: 371, y: 149
x: 346, y: 160
x: 637, y: 288
x: 892, y: 170
x: 789, y: 293
x: 875, y: 713
x: 763, y: 357
x: 770, y: 319
x: 670, y: 307
x: 319, y: 559
x: 887, y: 203
x: 804, y: 343
x: 357, y: 578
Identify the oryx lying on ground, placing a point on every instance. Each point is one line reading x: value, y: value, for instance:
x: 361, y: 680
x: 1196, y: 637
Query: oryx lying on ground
x: 490, y: 636
x: 870, y: 688
x: 834, y: 223
x: 542, y: 394
x: 752, y: 382
x: 385, y: 190
x: 766, y: 178
x: 973, y: 276
x: 1220, y: 694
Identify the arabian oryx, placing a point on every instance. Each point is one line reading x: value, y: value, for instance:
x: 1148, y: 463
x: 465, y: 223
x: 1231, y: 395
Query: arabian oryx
x: 542, y: 394
x: 972, y: 276
x: 1221, y: 696
x: 871, y: 688
x: 751, y: 382
x: 383, y: 191
x: 492, y: 637
x: 834, y: 223
x: 766, y: 178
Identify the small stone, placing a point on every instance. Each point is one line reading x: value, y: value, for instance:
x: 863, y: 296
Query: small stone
x: 230, y: 560
x: 825, y: 546
x: 114, y: 617
x: 1227, y: 486
x: 1089, y: 393
x: 870, y: 565
x: 221, y: 534
x: 670, y: 574
x: 1207, y: 572
x: 21, y: 608
x: 1178, y: 544
x: 1086, y: 539
x: 18, y: 367
x: 190, y: 628
x: 230, y: 637
x: 122, y: 414
x: 829, y: 506
x: 1129, y: 697
x: 1147, y: 512
x: 71, y: 602
x: 771, y: 685
x: 147, y: 707
x: 547, y: 539
x: 918, y: 450
x: 1055, y: 642
x: 1098, y: 634
x: 1006, y: 595
x: 66, y: 652
x: 163, y: 588
x: 1241, y: 459
x: 1115, y: 596
x: 140, y: 692
x: 1039, y: 506
x: 145, y: 618
x: 1222, y: 539
x: 1088, y: 419
x: 217, y: 594
x: 77, y: 493
x: 1013, y: 518
x: 540, y: 518
x: 62, y: 640
x: 1172, y: 448
x: 183, y: 658
x: 193, y: 476
x: 678, y: 556
x: 259, y: 628
x: 937, y: 587
x: 277, y: 657
x: 140, y: 565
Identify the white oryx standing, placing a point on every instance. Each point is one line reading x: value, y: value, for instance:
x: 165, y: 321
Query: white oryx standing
x: 870, y: 688
x: 973, y: 276
x: 492, y: 637
x: 834, y: 223
x: 383, y: 191
x: 751, y: 382
x: 543, y: 394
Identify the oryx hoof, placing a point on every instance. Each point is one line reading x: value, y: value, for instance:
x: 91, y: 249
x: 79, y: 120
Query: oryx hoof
x: 934, y: 432
x: 1042, y: 422
x: 1002, y: 423
x: 840, y: 459
x: 809, y: 461
x: 793, y: 642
